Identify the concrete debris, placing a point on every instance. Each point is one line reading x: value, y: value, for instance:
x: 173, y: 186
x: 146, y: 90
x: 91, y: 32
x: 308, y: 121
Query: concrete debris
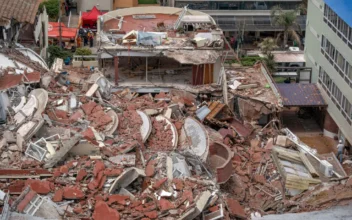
x: 81, y: 149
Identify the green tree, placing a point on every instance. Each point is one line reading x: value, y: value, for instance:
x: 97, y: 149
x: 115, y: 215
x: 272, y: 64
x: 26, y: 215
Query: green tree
x: 268, y: 45
x: 270, y: 62
x: 83, y: 51
x: 52, y: 8
x: 57, y: 52
x: 287, y: 19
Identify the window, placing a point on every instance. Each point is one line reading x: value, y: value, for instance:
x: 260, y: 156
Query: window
x: 340, y: 61
x: 349, y: 71
x: 338, y: 25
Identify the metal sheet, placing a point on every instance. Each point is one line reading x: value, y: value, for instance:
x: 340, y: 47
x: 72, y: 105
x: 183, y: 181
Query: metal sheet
x: 301, y: 95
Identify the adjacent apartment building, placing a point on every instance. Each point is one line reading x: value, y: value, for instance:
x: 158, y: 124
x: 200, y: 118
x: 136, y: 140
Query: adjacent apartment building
x: 238, y: 15
x: 329, y: 28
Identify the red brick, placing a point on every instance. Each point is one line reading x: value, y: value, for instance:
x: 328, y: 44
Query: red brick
x: 214, y: 208
x: 178, y: 183
x: 64, y: 169
x: 41, y: 187
x: 88, y: 107
x: 89, y: 135
x: 78, y: 209
x: 61, y: 114
x: 80, y: 175
x: 257, y: 157
x: 103, y: 211
x: 73, y: 193
x: 58, y: 196
x: 150, y: 170
x: 165, y: 205
x: 25, y: 201
x: 178, y: 125
x: 99, y: 166
x: 76, y: 116
x: 152, y: 214
x: 119, y: 199
x: 259, y: 178
x: 159, y: 183
x: 113, y: 172
x: 236, y: 209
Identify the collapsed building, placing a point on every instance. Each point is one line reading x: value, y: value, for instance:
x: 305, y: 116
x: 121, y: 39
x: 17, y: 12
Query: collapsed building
x: 161, y: 47
x: 78, y: 143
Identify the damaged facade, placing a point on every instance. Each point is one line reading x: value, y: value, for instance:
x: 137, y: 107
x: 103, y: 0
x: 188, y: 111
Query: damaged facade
x: 160, y: 47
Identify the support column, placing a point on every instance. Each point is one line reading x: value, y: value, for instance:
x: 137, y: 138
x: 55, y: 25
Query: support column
x: 330, y: 127
x: 146, y: 69
x: 116, y: 66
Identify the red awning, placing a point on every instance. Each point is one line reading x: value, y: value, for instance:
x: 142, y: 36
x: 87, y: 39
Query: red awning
x: 92, y: 16
x: 54, y: 27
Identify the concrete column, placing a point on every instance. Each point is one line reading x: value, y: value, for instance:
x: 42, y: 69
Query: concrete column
x: 116, y: 66
x: 146, y: 69
x: 330, y: 127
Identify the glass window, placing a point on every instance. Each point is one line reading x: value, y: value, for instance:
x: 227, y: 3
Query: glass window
x: 340, y: 61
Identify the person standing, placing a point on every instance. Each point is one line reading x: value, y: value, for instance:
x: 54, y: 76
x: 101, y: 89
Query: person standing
x: 91, y: 40
x: 340, y: 148
x: 67, y: 9
x: 79, y: 41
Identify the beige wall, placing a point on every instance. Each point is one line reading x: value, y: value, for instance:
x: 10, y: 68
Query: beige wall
x: 125, y: 3
x: 87, y: 5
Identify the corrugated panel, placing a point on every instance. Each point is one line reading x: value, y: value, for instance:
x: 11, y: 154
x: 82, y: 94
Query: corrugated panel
x: 301, y: 95
x: 21, y: 10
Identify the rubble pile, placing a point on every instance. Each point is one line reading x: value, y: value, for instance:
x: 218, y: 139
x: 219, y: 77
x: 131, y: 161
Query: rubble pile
x: 82, y: 151
x: 161, y: 136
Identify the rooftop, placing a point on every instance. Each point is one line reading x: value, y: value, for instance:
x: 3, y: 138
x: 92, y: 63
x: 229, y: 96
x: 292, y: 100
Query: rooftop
x: 160, y: 28
x: 22, y: 11
x: 300, y: 94
x: 252, y: 83
x: 289, y: 57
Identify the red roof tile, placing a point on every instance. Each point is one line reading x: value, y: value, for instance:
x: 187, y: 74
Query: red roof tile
x: 21, y: 10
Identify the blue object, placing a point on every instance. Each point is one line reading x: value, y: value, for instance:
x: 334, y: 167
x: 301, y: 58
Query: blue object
x: 67, y: 61
x: 342, y: 8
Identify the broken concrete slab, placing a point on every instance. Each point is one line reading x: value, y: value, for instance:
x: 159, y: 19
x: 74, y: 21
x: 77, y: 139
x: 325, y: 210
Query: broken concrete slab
x: 126, y: 178
x: 42, y: 96
x: 27, y: 110
x: 201, y: 203
x: 124, y: 160
x: 146, y: 127
x: 111, y: 128
x: 67, y: 146
x: 85, y: 149
x: 198, y: 136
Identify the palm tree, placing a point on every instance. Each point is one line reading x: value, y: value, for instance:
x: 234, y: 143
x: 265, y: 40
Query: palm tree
x: 268, y: 45
x: 286, y: 19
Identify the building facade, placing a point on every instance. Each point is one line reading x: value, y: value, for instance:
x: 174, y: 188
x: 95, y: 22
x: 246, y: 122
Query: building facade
x: 236, y: 15
x: 329, y: 28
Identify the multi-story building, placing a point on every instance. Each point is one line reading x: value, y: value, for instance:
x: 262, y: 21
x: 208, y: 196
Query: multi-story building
x: 329, y: 52
x: 248, y: 16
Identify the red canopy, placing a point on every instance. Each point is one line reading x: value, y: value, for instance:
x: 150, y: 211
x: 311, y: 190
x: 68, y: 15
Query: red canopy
x: 54, y: 27
x: 90, y: 18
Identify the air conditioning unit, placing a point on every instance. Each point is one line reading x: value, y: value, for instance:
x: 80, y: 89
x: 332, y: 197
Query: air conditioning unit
x: 326, y: 168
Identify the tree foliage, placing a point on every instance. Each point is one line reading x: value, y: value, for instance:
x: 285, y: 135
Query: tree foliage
x: 52, y: 8
x: 268, y: 45
x: 270, y: 62
x: 83, y: 51
x: 57, y: 52
x: 288, y: 20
